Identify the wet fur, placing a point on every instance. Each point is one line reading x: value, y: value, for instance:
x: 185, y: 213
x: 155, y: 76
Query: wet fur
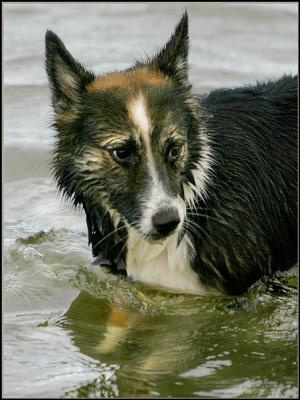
x: 238, y: 177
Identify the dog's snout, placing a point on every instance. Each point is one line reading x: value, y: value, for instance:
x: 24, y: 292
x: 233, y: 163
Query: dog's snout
x: 166, y: 221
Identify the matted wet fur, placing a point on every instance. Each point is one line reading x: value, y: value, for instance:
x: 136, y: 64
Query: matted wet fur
x: 191, y: 193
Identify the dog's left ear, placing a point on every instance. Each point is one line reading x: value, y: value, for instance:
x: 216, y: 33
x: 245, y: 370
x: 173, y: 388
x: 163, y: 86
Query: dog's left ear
x: 172, y: 60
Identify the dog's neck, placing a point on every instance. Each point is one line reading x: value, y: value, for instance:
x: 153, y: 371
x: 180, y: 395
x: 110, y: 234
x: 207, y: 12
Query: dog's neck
x: 162, y: 265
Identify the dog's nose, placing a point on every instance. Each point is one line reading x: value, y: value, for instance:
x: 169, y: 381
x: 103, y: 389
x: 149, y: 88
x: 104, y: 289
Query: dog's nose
x: 166, y: 221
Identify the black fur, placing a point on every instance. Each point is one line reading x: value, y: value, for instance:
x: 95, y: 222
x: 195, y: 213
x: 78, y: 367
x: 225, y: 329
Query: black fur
x: 247, y: 226
x: 172, y: 59
x: 58, y: 57
x: 250, y: 218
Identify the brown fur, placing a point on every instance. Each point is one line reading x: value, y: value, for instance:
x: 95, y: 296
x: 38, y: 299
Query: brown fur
x: 128, y: 81
x: 66, y: 118
x: 117, y: 317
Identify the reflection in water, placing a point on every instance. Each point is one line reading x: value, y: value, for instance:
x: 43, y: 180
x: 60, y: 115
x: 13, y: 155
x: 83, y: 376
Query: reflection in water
x: 98, y: 335
x: 103, y: 386
x: 205, y: 350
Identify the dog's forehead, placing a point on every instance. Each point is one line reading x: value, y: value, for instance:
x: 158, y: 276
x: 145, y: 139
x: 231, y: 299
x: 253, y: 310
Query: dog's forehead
x: 143, y: 91
x: 139, y: 115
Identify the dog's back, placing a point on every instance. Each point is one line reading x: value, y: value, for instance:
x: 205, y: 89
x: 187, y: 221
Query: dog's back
x: 251, y: 213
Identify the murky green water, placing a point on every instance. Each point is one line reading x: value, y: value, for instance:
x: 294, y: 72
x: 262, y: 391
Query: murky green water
x: 72, y: 329
x: 81, y: 332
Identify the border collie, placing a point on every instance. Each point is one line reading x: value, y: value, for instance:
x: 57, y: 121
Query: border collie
x: 189, y: 193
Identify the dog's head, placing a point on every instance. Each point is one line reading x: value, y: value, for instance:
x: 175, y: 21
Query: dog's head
x: 130, y: 140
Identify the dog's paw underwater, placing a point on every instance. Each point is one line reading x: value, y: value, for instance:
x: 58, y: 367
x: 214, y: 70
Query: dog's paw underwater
x: 187, y: 192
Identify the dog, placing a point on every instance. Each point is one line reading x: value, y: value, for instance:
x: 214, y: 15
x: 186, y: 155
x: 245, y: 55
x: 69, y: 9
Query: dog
x: 189, y: 193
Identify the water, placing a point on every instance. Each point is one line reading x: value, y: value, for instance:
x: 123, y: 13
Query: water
x: 74, y: 330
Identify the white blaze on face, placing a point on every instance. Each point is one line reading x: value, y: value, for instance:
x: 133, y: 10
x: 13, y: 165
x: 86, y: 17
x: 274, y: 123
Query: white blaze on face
x: 157, y: 199
x: 139, y: 116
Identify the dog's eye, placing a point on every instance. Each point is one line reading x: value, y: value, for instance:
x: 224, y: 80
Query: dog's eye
x: 122, y: 154
x: 174, y: 152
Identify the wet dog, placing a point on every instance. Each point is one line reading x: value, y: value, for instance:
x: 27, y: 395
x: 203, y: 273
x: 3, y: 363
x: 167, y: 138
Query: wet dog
x: 190, y: 193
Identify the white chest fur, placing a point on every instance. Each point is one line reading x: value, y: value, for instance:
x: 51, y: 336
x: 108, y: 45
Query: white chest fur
x: 162, y: 264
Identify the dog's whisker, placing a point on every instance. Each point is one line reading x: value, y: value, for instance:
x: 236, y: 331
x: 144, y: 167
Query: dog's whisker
x: 111, y: 233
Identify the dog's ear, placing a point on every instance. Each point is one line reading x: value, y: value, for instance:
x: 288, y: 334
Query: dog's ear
x: 172, y: 60
x: 66, y: 76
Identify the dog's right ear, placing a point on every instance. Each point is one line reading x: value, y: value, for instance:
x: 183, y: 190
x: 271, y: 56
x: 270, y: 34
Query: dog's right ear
x: 66, y: 76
